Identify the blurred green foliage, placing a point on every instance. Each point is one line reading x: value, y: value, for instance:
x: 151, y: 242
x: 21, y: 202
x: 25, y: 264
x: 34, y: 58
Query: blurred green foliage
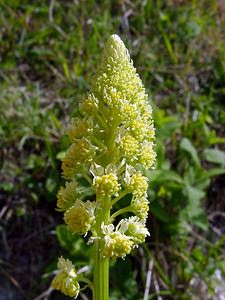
x: 48, y: 54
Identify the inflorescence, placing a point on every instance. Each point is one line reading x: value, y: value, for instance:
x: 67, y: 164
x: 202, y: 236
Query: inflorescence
x: 111, y: 143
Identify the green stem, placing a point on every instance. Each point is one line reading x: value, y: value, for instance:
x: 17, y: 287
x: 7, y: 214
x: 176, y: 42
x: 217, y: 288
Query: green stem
x: 89, y: 284
x: 89, y: 180
x: 101, y: 264
x: 85, y: 280
x: 104, y: 204
x: 121, y: 195
x: 98, y: 143
x: 101, y: 274
x: 121, y: 211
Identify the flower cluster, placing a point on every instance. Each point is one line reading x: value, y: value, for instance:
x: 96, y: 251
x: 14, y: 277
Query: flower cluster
x: 129, y: 233
x: 67, y: 196
x: 140, y: 207
x: 106, y: 185
x: 78, y: 128
x: 80, y: 217
x: 121, y: 97
x: 77, y: 156
x: 111, y: 143
x: 116, y: 245
x: 135, y: 228
x: 138, y: 184
x: 66, y: 279
x: 129, y: 147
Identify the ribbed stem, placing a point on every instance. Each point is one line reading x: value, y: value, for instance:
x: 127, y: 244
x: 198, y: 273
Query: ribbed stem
x: 101, y: 274
x: 101, y: 264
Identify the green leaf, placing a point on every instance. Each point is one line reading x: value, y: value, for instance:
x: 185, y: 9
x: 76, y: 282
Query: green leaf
x: 194, y: 195
x: 127, y: 285
x: 166, y: 125
x: 194, y: 212
x: 165, y: 176
x: 215, y: 156
x: 160, y: 212
x: 187, y: 146
x: 50, y: 185
x: 61, y: 155
x: 211, y: 173
x: 71, y: 243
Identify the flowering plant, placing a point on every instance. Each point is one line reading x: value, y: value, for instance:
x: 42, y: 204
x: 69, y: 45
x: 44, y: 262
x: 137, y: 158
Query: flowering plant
x: 112, y: 143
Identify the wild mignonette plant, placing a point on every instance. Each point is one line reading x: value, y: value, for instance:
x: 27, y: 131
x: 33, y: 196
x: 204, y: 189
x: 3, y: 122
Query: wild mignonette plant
x: 112, y: 143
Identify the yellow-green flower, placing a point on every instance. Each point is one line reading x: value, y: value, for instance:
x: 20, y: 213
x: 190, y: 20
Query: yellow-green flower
x: 129, y: 147
x: 78, y: 155
x: 89, y: 106
x: 147, y: 155
x: 78, y: 128
x: 140, y: 207
x: 116, y: 244
x: 112, y: 140
x: 106, y: 185
x: 134, y: 228
x: 79, y: 217
x: 66, y: 279
x: 67, y: 196
x: 138, y: 184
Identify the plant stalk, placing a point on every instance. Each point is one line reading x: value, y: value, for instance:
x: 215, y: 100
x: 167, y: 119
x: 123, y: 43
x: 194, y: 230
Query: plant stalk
x: 101, y: 264
x: 101, y: 274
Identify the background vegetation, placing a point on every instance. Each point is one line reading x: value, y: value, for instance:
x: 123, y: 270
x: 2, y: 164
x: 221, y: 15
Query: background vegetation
x: 49, y: 52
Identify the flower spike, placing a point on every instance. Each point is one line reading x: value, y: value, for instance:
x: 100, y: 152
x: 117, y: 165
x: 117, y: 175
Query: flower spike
x: 111, y: 143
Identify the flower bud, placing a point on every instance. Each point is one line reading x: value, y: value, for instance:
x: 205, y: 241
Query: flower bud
x: 140, y: 207
x: 115, y: 51
x: 106, y: 185
x: 147, y: 155
x: 138, y: 184
x: 129, y: 146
